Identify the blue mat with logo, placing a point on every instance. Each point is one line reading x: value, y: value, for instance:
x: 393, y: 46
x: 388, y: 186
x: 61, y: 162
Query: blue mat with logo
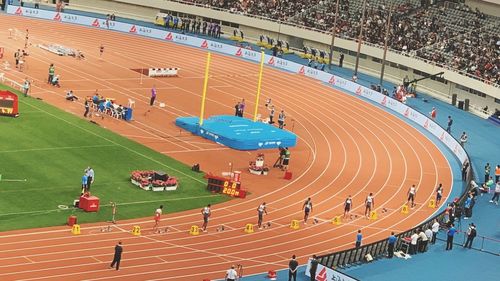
x: 238, y: 133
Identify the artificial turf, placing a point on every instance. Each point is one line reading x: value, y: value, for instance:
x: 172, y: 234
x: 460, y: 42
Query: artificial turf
x: 51, y: 148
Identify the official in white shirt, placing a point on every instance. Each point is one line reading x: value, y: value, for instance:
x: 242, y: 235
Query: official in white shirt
x: 435, y: 230
x: 231, y: 274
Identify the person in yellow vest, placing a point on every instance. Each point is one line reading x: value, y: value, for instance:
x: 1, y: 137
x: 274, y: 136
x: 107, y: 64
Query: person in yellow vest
x: 286, y: 159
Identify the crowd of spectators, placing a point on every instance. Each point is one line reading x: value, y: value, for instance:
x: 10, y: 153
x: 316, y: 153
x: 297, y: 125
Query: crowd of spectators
x: 445, y: 32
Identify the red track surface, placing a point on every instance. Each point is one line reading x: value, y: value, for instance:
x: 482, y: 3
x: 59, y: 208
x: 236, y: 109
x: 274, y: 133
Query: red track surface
x: 346, y: 146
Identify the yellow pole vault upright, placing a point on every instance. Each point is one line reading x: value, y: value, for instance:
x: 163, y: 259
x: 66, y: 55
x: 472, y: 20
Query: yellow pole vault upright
x: 205, y: 84
x: 259, y: 83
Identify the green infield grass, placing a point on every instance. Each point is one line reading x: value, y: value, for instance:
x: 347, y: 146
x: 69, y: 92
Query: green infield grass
x: 51, y: 148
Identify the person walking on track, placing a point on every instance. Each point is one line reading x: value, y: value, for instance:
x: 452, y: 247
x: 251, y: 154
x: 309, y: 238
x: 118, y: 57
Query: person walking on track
x: 118, y: 256
x: 206, y: 212
x: 153, y: 96
x: 157, y: 216
x: 87, y: 108
x: 286, y: 159
x: 411, y: 195
x: 308, y: 208
x: 271, y: 115
x: 52, y: 70
x: 281, y: 119
x: 347, y: 206
x: 369, y: 204
x: 261, y: 210
x: 359, y: 238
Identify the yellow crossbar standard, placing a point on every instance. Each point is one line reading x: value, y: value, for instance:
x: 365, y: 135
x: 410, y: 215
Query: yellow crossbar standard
x: 205, y: 84
x: 259, y: 84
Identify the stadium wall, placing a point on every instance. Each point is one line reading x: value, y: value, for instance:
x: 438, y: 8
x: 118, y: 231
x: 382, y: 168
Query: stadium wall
x: 479, y: 93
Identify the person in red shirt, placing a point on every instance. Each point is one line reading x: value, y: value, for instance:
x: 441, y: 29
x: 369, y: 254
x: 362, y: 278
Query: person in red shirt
x: 157, y: 216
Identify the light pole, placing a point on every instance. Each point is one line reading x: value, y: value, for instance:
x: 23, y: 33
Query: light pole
x: 334, y: 30
x: 360, y: 38
x: 387, y: 34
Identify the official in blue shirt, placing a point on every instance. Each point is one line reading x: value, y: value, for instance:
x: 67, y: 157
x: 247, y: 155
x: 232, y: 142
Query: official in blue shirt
x: 359, y: 237
x: 449, y: 238
x: 84, y: 183
x: 390, y: 246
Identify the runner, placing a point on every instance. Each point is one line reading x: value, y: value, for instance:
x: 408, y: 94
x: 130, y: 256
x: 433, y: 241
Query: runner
x: 411, y: 195
x: 369, y: 204
x: 206, y: 212
x: 157, y: 217
x: 307, y: 207
x: 261, y: 210
x: 347, y: 206
x: 439, y: 193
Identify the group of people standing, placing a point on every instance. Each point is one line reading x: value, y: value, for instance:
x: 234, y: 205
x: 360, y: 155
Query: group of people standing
x: 195, y: 26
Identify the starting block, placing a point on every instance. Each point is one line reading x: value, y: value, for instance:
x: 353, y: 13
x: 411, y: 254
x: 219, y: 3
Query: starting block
x: 373, y: 215
x: 404, y: 209
x: 315, y: 221
x: 161, y: 230
x: 220, y: 228
x: 432, y: 204
x: 294, y: 224
x: 266, y: 225
x: 195, y: 230
x: 136, y: 230
x: 337, y: 220
x: 75, y: 229
x: 249, y: 228
x: 106, y: 229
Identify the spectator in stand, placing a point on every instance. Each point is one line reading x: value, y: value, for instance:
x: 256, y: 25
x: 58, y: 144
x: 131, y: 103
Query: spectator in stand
x: 444, y: 33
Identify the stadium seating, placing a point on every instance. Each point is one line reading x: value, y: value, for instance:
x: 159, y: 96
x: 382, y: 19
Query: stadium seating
x: 445, y: 33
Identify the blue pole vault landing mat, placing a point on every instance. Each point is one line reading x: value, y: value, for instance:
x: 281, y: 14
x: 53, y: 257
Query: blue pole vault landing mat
x: 238, y: 133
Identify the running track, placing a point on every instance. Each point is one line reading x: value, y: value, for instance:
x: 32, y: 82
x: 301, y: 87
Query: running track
x: 346, y: 146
